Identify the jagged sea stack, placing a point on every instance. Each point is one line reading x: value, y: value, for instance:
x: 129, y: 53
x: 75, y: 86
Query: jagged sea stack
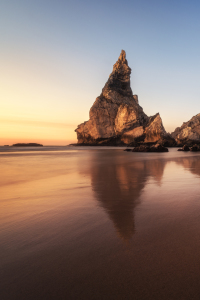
x: 116, y: 117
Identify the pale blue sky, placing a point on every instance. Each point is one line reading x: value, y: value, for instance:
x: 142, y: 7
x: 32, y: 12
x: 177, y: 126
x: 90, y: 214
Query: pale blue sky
x: 57, y: 55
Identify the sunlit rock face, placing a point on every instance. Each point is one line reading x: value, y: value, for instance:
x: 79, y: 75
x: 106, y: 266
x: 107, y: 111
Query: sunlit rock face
x: 116, y: 117
x: 154, y: 129
x: 189, y: 132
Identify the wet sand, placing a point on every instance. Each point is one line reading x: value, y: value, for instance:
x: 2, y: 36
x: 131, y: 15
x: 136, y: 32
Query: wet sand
x: 98, y: 223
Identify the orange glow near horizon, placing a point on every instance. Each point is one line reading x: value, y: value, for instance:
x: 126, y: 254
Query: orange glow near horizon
x: 27, y: 131
x: 41, y: 104
x: 36, y: 105
x: 45, y: 142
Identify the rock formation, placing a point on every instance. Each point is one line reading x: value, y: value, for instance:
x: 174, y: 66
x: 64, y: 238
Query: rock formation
x: 189, y: 132
x: 156, y: 148
x: 116, y: 117
x: 194, y: 148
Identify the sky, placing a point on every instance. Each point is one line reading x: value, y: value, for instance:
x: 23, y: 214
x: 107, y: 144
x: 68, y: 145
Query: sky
x: 56, y: 56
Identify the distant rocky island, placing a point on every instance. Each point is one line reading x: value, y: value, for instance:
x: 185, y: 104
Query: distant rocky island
x: 27, y: 145
x: 117, y: 119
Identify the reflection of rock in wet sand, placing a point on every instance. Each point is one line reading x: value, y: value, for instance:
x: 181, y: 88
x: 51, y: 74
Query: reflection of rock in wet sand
x: 118, y: 181
x: 118, y: 184
x: 191, y: 164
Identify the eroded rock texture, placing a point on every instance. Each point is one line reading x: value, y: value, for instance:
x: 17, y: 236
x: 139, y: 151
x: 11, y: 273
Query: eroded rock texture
x: 116, y: 117
x: 189, y: 132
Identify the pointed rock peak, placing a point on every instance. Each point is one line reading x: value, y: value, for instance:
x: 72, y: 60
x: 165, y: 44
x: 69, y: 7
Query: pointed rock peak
x: 119, y: 79
x: 122, y: 56
x: 121, y: 61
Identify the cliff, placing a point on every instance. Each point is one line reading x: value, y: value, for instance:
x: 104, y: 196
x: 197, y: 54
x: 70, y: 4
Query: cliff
x: 189, y: 132
x: 116, y: 117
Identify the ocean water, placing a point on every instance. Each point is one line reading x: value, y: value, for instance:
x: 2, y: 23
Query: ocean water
x: 99, y: 223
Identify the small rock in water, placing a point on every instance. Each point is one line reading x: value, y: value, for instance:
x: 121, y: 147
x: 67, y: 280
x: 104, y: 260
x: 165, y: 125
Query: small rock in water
x: 195, y: 148
x: 156, y: 148
x: 141, y: 148
x: 184, y: 148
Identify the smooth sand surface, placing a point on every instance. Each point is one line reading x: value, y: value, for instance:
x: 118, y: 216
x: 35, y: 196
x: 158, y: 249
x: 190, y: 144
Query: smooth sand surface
x: 98, y: 223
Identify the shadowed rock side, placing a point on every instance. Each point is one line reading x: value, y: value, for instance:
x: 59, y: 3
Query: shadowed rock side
x: 189, y: 132
x: 116, y: 118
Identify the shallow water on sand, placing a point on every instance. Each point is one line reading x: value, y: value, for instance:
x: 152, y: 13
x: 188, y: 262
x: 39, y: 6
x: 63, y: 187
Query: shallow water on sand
x: 99, y: 223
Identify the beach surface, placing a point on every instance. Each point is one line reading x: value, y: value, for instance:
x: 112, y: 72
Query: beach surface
x: 99, y: 223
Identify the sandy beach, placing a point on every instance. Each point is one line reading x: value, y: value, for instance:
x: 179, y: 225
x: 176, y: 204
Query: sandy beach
x: 99, y: 223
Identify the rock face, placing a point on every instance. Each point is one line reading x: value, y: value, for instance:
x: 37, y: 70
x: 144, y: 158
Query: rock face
x: 116, y: 118
x: 189, y: 132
